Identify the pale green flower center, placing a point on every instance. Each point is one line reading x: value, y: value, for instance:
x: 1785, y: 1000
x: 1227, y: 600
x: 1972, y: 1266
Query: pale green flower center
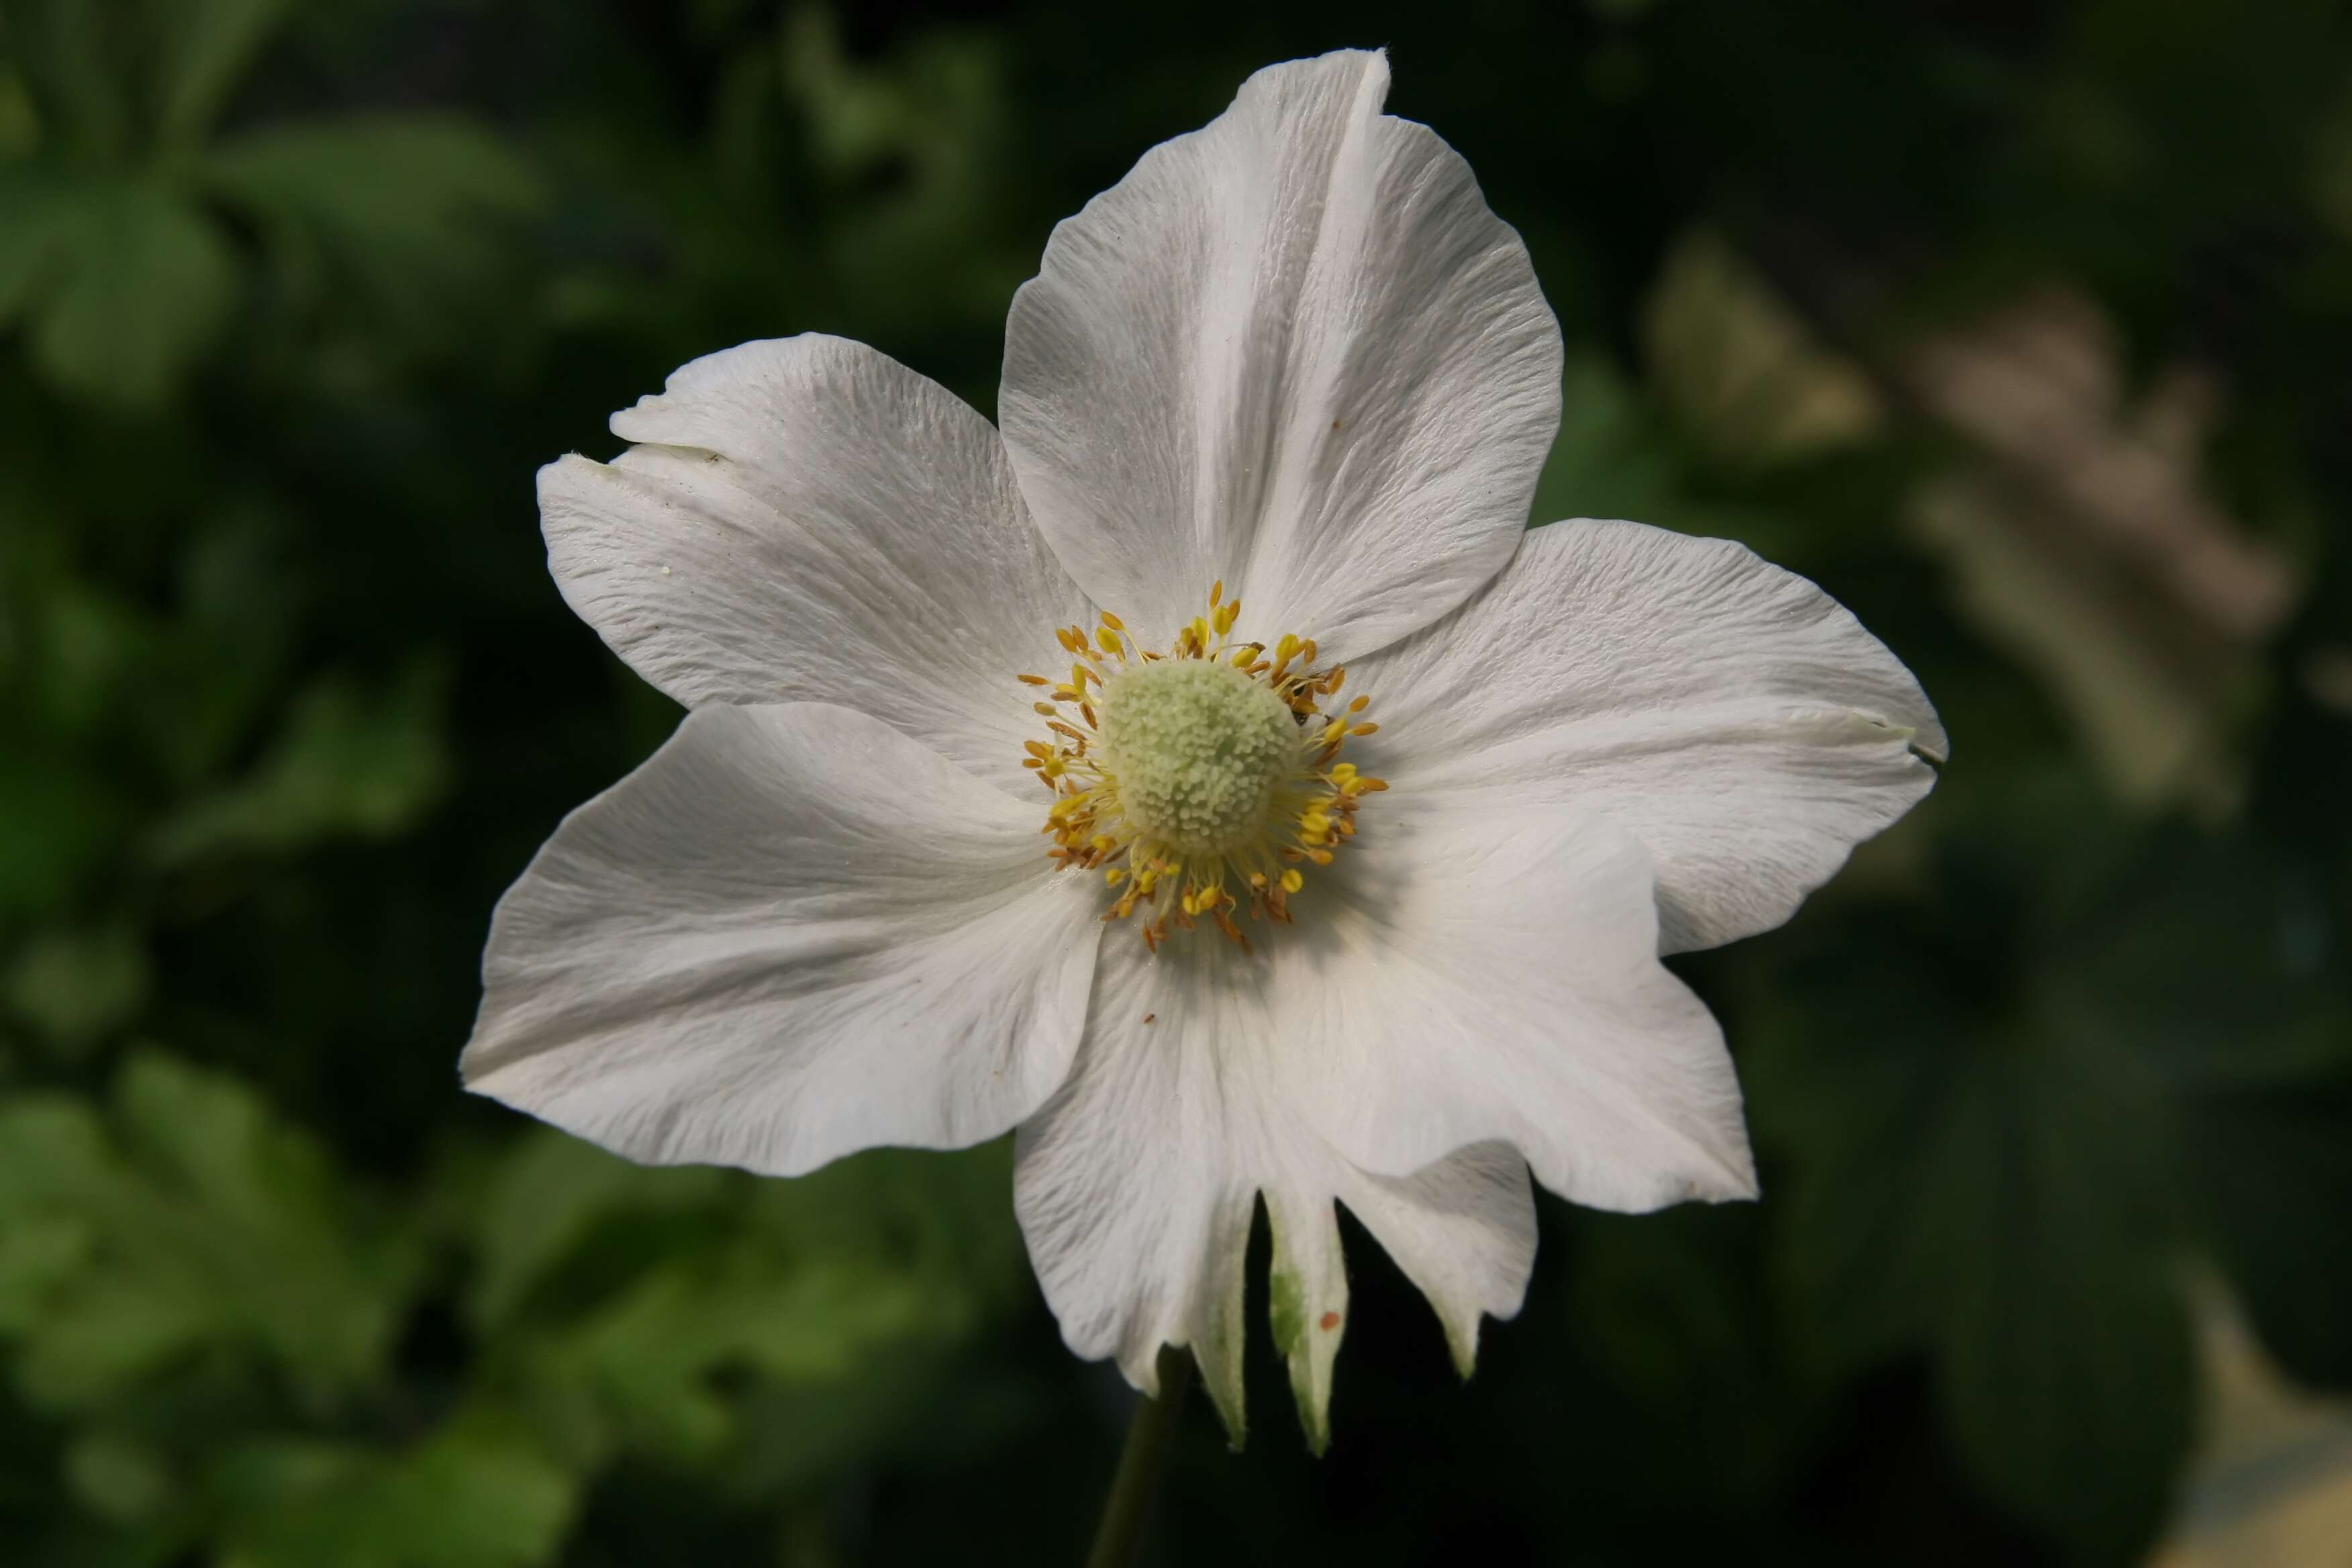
x: 1201, y: 781
x: 1198, y: 749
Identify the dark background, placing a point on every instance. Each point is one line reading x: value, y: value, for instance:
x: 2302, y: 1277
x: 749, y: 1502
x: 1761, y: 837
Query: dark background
x: 2022, y: 327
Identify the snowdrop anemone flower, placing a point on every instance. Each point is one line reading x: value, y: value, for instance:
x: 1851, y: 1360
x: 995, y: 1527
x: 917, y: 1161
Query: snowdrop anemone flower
x: 1208, y: 774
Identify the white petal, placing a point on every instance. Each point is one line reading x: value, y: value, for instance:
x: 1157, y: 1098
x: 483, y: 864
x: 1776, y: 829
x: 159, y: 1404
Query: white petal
x: 1730, y: 715
x: 790, y: 934
x: 807, y: 519
x: 1463, y: 977
x: 1463, y: 1230
x: 1136, y: 1185
x: 1306, y: 1288
x: 1294, y: 350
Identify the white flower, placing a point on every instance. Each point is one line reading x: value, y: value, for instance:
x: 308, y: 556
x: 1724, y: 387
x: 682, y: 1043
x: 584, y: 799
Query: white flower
x: 1291, y: 363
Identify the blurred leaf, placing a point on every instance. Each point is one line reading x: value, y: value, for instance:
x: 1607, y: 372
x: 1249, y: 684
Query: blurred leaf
x: 189, y: 1219
x: 38, y: 215
x: 402, y: 204
x: 2089, y: 544
x: 77, y: 985
x: 72, y: 54
x: 1615, y: 459
x: 139, y: 283
x: 914, y: 142
x: 2331, y: 175
x: 1668, y: 1308
x: 2210, y: 976
x: 59, y: 822
x: 96, y: 648
x: 1881, y: 1189
x: 213, y: 670
x: 38, y: 1254
x: 1739, y: 366
x: 206, y: 46
x: 20, y: 128
x: 2007, y: 1142
x: 478, y: 1495
x: 814, y: 1282
x: 2271, y: 1174
x: 2064, y: 1352
x: 924, y: 1401
x: 1988, y: 1200
x: 2150, y: 698
x: 2199, y: 968
x: 347, y: 762
x: 117, y: 1476
x: 550, y: 1191
x: 656, y: 1356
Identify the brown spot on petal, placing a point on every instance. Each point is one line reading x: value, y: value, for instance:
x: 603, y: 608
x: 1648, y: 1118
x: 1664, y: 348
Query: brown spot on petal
x: 1331, y: 1321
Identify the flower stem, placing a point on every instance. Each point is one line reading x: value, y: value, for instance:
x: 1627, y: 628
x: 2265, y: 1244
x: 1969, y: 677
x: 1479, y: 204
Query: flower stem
x: 1149, y: 1435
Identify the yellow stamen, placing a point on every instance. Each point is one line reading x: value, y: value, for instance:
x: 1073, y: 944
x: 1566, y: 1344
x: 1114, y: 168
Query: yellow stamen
x: 1202, y: 793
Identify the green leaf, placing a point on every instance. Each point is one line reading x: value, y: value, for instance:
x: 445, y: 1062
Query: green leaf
x: 72, y: 56
x: 96, y: 650
x: 1980, y: 1177
x: 20, y: 123
x: 210, y: 676
x: 117, y: 1477
x: 2063, y: 1353
x: 479, y: 1494
x: 1882, y: 1126
x: 548, y: 1196
x: 60, y: 820
x: 1615, y: 457
x: 349, y: 761
x: 2013, y: 1117
x: 37, y: 1256
x: 2215, y: 973
x: 189, y: 1218
x: 652, y: 1297
x: 76, y: 986
x: 1740, y: 369
x: 142, y: 283
x: 655, y: 1356
x: 402, y: 205
x: 2205, y: 966
x: 206, y: 48
x: 1669, y: 1308
x: 2271, y: 1177
x: 38, y: 215
x: 914, y: 150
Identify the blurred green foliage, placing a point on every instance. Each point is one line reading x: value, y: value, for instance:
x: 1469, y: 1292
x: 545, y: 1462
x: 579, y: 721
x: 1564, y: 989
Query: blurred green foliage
x: 295, y: 297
